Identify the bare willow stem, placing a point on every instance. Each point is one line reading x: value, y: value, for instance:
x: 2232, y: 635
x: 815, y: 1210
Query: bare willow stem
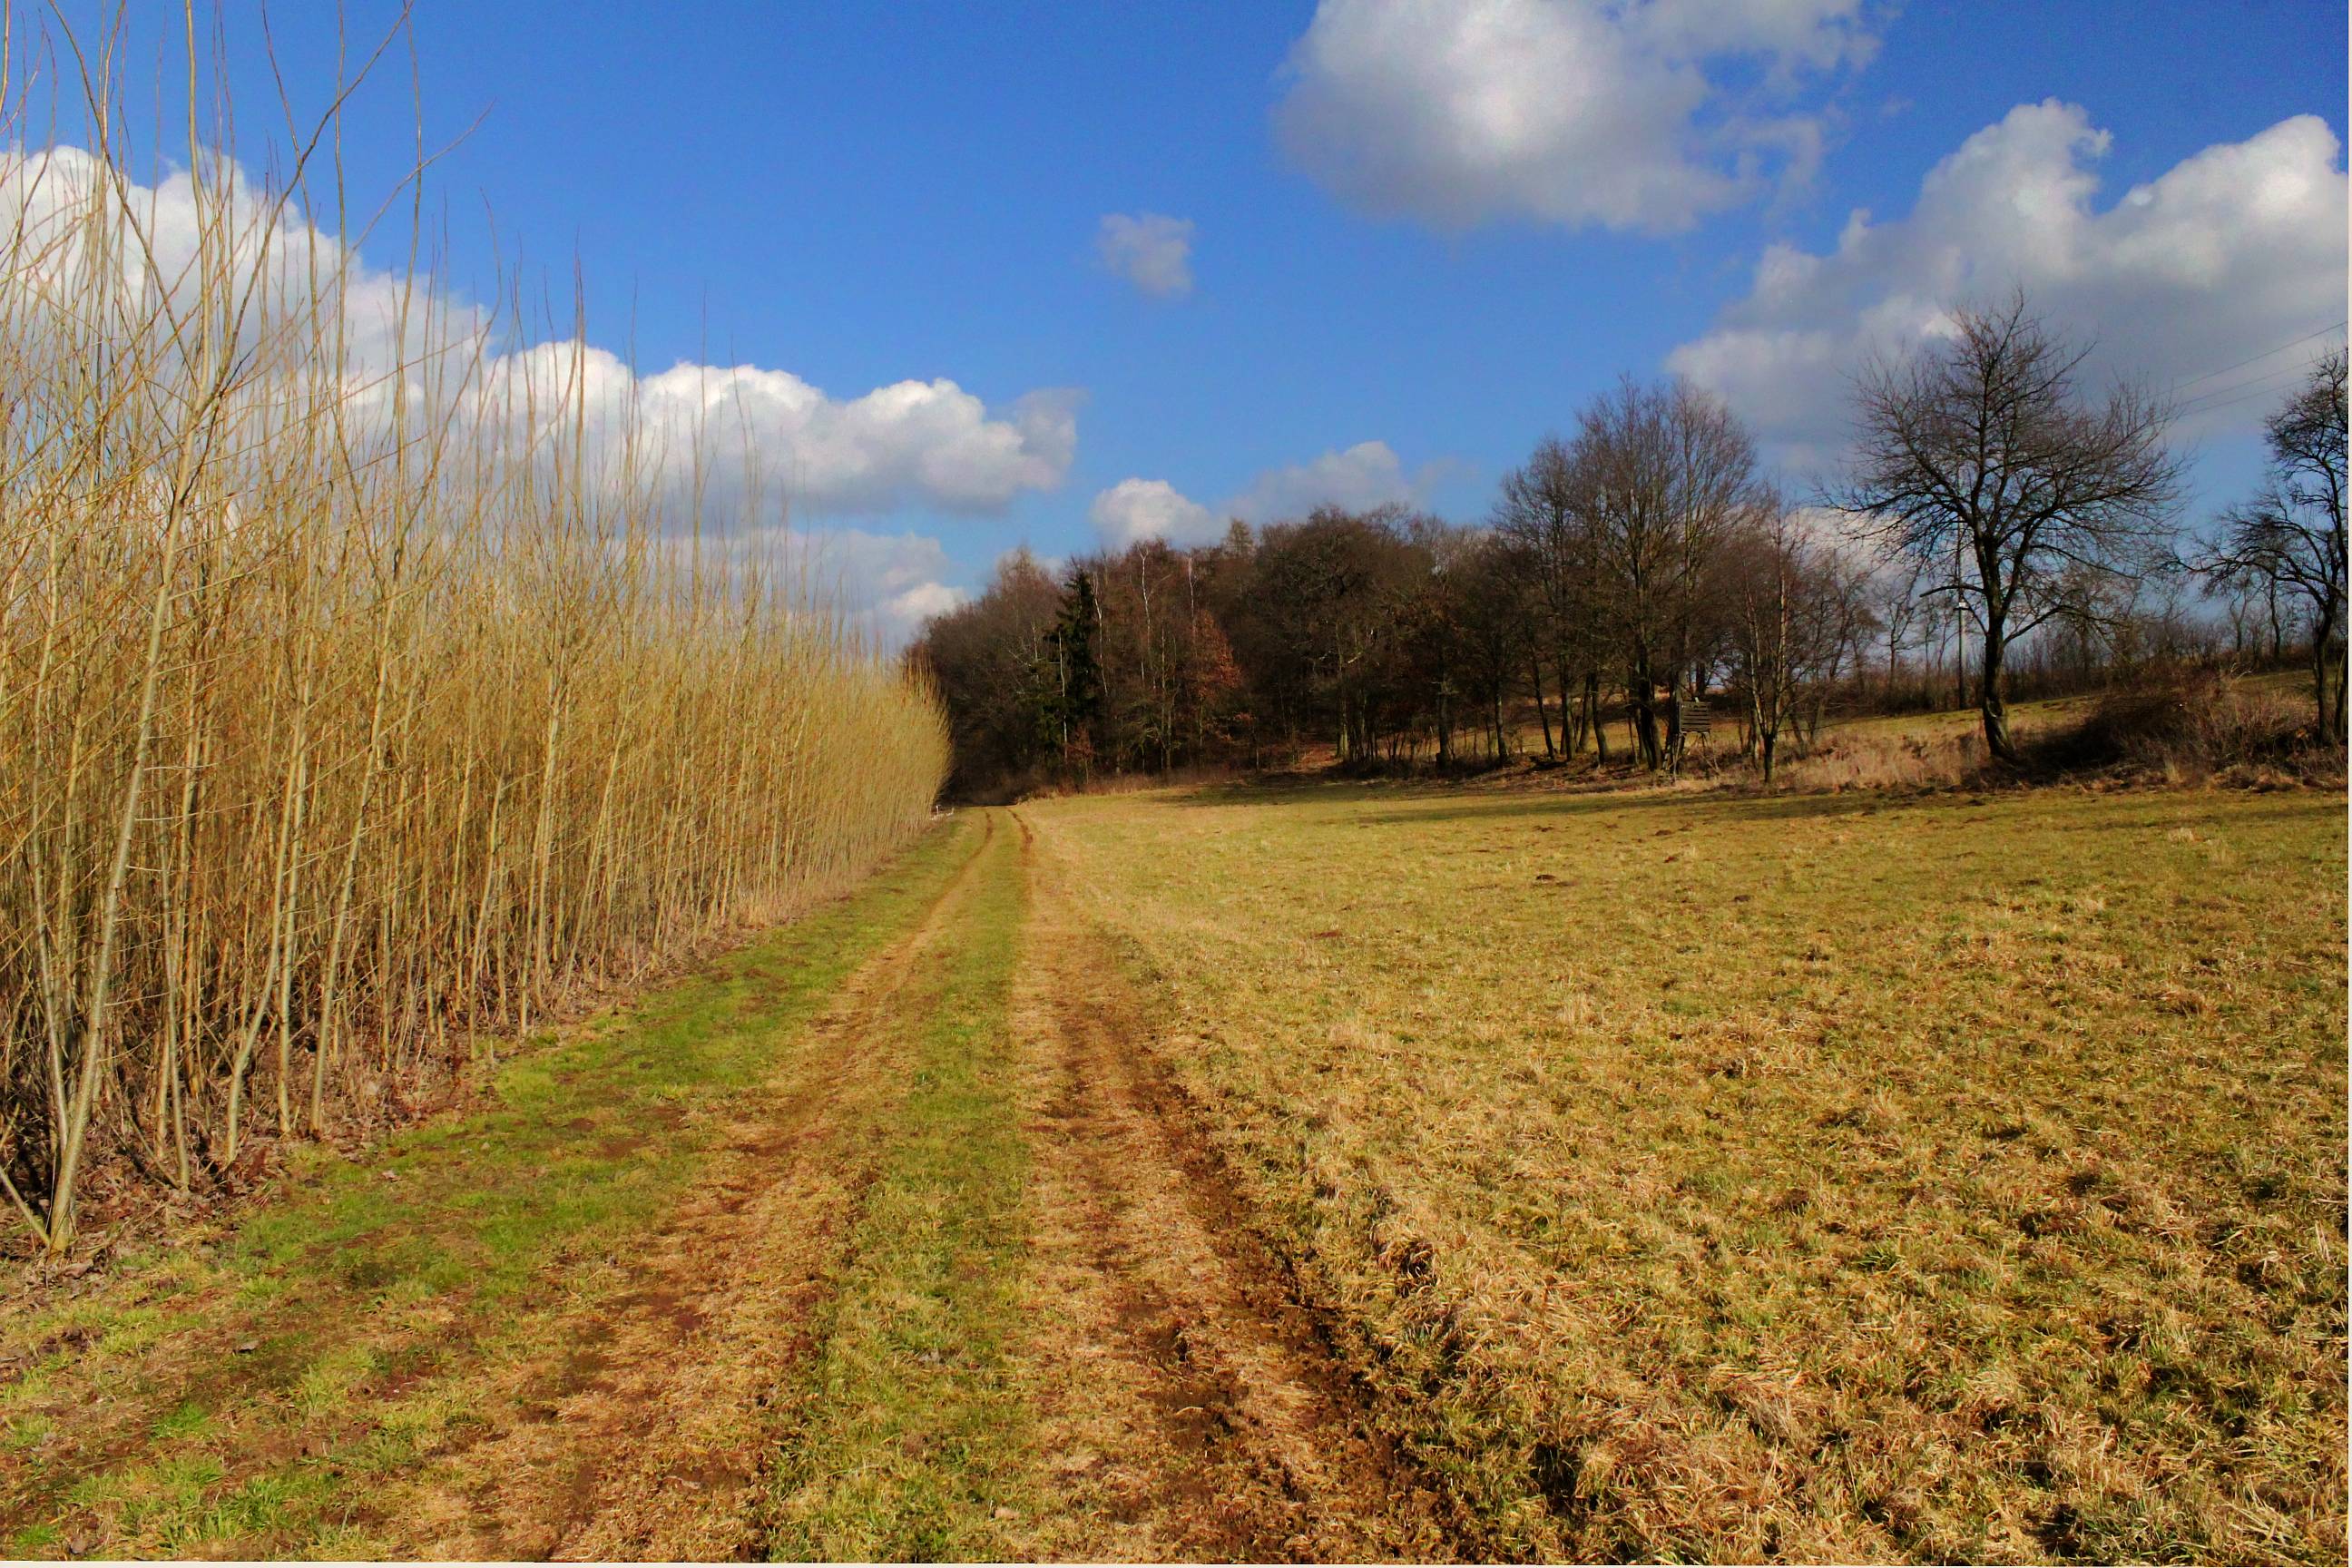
x: 370, y: 680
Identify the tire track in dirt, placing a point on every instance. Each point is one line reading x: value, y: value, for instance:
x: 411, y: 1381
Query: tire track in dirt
x: 637, y: 1424
x: 1196, y: 1412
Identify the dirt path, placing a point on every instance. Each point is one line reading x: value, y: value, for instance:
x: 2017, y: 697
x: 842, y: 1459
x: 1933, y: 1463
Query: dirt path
x: 1193, y: 1412
x: 636, y: 1428
x: 956, y: 1274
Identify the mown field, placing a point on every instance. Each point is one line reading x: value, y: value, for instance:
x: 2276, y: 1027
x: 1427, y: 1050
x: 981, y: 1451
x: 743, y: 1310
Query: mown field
x: 1323, y: 1172
x: 1819, y: 1177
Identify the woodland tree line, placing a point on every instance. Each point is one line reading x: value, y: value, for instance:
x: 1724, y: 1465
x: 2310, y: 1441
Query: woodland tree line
x: 1999, y: 532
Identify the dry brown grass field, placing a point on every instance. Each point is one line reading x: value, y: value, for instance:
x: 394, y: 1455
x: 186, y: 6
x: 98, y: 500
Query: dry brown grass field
x: 1323, y: 1172
x: 1820, y: 1177
x: 1938, y: 748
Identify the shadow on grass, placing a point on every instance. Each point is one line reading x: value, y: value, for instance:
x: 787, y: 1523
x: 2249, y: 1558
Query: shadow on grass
x: 1400, y: 803
x: 1441, y: 802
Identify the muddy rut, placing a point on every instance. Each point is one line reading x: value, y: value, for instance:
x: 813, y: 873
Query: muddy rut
x: 638, y: 1427
x: 1196, y: 1412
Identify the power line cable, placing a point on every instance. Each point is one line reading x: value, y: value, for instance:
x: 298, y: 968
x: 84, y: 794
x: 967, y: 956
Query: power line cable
x: 2253, y: 385
x: 2180, y: 387
x: 2268, y: 378
x: 2248, y: 396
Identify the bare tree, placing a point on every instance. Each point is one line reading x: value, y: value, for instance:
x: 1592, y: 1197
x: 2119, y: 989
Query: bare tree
x: 1841, y: 614
x: 1797, y: 609
x: 1538, y: 515
x: 1662, y: 474
x: 1897, y: 607
x: 2291, y: 534
x: 1332, y: 591
x: 986, y: 659
x: 1767, y: 570
x: 1980, y: 449
x: 1497, y: 622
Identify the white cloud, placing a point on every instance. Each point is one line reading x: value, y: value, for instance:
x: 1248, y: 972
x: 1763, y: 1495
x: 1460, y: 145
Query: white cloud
x: 1152, y: 251
x: 885, y: 584
x: 1568, y: 112
x: 1359, y: 478
x: 910, y: 608
x: 1364, y: 476
x: 160, y: 241
x: 2232, y: 252
x: 775, y: 452
x: 768, y: 433
x: 1135, y: 509
x: 928, y: 444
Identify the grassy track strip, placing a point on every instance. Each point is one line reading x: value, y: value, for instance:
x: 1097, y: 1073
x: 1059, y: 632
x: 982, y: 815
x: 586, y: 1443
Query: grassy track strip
x: 909, y: 1437
x: 241, y: 1394
x: 629, y: 1423
x: 1189, y: 1408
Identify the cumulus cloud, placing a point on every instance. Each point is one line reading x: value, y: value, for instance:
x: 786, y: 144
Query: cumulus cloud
x: 161, y: 243
x: 760, y: 455
x: 1577, y: 112
x: 894, y: 581
x: 886, y: 585
x: 1135, y: 509
x: 767, y: 432
x: 1357, y: 478
x: 1366, y: 475
x: 2232, y: 253
x: 1152, y: 251
x: 764, y: 432
x: 905, y: 612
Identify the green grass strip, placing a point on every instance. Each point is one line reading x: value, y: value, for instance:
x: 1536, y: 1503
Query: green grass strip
x: 583, y: 1145
x: 911, y: 1441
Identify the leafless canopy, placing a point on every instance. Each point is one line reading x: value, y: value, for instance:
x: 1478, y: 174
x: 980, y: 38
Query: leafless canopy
x: 1979, y: 457
x: 2292, y: 533
x: 1621, y: 530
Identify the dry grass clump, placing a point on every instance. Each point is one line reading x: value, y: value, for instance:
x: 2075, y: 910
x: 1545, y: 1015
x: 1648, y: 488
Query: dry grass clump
x: 1867, y: 760
x: 359, y: 688
x: 2194, y: 723
x: 1709, y: 1177
x: 2183, y: 724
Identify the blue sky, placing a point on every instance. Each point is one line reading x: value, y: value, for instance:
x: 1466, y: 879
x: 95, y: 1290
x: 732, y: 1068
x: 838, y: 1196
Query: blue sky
x: 864, y: 196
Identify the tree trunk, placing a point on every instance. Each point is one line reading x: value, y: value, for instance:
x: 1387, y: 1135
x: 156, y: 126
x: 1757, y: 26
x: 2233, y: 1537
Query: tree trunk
x: 2326, y: 660
x: 1534, y: 673
x: 1643, y: 692
x: 1998, y: 740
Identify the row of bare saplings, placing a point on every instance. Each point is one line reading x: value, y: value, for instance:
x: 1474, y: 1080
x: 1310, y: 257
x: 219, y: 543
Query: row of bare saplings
x: 356, y: 701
